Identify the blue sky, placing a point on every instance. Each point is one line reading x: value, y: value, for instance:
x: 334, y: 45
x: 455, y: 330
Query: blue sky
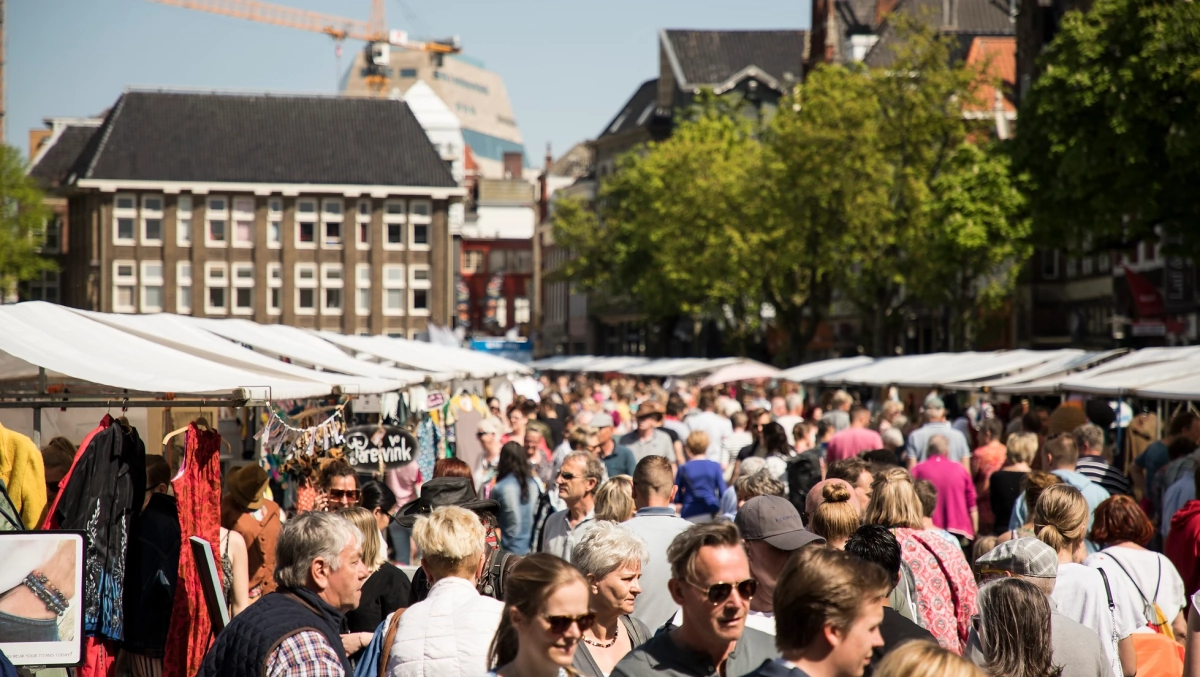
x: 568, y: 65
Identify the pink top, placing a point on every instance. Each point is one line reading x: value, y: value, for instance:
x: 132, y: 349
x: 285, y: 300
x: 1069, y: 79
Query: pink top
x: 955, y: 493
x: 851, y: 442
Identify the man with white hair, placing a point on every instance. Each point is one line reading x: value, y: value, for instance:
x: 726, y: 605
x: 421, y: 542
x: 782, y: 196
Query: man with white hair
x: 839, y: 411
x: 935, y: 424
x: 296, y: 629
x: 449, y: 632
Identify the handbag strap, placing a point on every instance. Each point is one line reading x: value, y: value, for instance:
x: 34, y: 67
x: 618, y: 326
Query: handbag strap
x: 389, y: 638
x: 1107, y: 590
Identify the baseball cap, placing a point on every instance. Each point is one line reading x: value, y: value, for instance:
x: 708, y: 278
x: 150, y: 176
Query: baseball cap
x: 775, y: 520
x: 1021, y: 557
x: 602, y: 421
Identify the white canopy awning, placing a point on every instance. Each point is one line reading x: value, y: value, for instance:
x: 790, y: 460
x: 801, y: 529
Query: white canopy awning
x: 1043, y: 378
x: 1135, y: 372
x: 939, y: 369
x: 70, y: 346
x: 814, y: 370
x: 185, y: 334
x: 431, y: 356
x: 305, y: 348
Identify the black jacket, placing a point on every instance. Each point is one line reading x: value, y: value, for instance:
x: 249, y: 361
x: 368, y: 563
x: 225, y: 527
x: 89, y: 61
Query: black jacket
x: 153, y: 572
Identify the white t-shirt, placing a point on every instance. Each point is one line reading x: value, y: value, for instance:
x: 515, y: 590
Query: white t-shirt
x: 761, y: 621
x: 1151, y: 573
x: 1080, y: 595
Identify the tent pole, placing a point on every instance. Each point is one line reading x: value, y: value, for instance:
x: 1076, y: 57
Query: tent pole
x: 37, y: 411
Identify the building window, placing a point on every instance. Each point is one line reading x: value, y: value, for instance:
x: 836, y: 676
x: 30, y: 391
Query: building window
x: 152, y: 220
x: 216, y: 233
x: 420, y: 220
x: 362, y: 218
x: 393, y: 289
x: 306, y: 289
x: 393, y: 224
x: 274, y: 223
x: 521, y: 310
x: 243, y: 222
x: 362, y: 289
x: 306, y: 224
x: 502, y: 312
x: 331, y: 223
x: 274, y: 288
x: 1086, y: 265
x: 183, y: 221
x: 1072, y: 266
x: 183, y: 287
x: 52, y: 241
x: 1050, y: 264
x: 1103, y: 262
x: 152, y: 286
x: 46, y: 288
x: 124, y: 219
x: 124, y: 287
x: 472, y: 259
x: 331, y: 288
x: 418, y: 303
x: 243, y: 288
x: 216, y: 286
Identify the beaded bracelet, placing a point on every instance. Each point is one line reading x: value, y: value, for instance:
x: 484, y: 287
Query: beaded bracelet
x: 51, y: 596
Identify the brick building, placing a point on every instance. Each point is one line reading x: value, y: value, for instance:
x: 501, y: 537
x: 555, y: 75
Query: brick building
x: 318, y: 212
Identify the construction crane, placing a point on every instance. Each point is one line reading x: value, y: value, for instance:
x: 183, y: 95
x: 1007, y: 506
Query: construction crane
x: 373, y: 31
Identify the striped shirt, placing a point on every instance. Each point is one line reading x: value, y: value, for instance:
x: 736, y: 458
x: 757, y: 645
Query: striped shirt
x: 304, y: 654
x: 1100, y: 471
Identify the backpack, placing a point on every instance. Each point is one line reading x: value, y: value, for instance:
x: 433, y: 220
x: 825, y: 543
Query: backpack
x: 803, y: 473
x: 542, y: 513
x: 491, y: 583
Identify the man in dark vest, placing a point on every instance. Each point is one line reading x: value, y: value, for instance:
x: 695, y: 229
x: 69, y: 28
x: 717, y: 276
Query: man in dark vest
x: 320, y: 572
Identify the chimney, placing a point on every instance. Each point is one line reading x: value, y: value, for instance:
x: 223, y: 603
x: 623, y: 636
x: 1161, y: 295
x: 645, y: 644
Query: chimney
x: 949, y: 14
x: 36, y: 138
x: 512, y: 164
x: 544, y: 187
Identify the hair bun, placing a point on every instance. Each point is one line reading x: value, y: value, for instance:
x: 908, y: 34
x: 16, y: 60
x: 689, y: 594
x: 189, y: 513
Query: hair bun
x: 836, y: 492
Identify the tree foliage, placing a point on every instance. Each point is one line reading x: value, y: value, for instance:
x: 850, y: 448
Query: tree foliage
x: 22, y: 223
x: 1110, y: 131
x: 864, y: 185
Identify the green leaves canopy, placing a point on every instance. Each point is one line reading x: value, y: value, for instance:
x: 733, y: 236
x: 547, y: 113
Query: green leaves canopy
x: 22, y: 223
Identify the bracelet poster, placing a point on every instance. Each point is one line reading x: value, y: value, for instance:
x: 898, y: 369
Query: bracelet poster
x: 41, y: 597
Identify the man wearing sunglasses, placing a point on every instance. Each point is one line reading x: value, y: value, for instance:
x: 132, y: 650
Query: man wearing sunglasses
x: 772, y: 530
x: 711, y: 583
x: 577, y: 482
x: 339, y: 487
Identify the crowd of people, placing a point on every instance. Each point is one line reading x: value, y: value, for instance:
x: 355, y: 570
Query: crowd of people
x: 629, y: 530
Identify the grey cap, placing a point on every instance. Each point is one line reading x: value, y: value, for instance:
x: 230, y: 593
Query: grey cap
x: 934, y: 402
x: 602, y: 421
x: 775, y: 520
x: 1027, y: 557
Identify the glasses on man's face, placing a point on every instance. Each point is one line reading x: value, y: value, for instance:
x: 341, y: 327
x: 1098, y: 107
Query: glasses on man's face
x: 568, y: 476
x: 344, y: 494
x: 717, y: 593
x: 560, y: 624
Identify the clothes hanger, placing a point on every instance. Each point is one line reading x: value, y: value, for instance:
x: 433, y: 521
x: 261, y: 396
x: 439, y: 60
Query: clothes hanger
x: 201, y: 423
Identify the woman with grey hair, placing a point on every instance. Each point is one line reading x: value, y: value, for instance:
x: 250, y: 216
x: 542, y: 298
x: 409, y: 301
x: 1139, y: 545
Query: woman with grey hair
x: 611, y: 559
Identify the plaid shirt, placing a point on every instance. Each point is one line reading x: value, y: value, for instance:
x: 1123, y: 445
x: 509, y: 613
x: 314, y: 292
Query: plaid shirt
x: 305, y: 654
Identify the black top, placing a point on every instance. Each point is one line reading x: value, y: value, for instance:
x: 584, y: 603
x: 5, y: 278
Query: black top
x: 151, y: 574
x: 1006, y: 489
x: 556, y: 430
x: 896, y: 630
x: 385, y: 591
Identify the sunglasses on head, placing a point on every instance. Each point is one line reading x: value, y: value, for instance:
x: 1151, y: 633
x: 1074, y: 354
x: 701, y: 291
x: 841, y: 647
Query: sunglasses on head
x: 343, y: 493
x: 719, y: 592
x: 560, y: 624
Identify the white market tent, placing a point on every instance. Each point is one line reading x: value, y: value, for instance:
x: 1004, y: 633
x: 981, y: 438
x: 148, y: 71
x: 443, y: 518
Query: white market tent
x: 75, y: 350
x: 1052, y: 370
x: 939, y: 369
x: 418, y: 354
x: 812, y: 371
x: 1130, y: 374
x: 186, y: 335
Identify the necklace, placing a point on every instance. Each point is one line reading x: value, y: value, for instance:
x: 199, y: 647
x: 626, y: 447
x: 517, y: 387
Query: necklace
x: 598, y: 645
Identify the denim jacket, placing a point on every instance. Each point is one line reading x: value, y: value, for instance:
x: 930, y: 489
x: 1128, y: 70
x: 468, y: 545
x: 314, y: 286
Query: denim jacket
x: 516, y: 517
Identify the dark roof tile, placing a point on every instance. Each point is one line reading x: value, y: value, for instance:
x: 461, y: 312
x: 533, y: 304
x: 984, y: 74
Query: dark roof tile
x: 712, y: 57
x: 178, y: 136
x: 971, y: 18
x: 637, y: 111
x: 57, y: 160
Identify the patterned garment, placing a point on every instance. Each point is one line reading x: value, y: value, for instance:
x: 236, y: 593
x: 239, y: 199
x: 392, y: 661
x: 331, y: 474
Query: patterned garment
x: 427, y: 445
x: 945, y: 585
x: 304, y: 654
x: 198, y: 494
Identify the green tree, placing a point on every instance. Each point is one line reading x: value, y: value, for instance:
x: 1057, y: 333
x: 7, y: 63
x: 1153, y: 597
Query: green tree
x: 22, y: 223
x: 675, y: 232
x: 1109, y: 133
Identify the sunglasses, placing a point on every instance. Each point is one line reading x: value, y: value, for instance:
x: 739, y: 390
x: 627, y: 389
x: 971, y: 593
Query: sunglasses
x: 568, y: 476
x: 343, y: 493
x: 719, y: 592
x: 560, y: 624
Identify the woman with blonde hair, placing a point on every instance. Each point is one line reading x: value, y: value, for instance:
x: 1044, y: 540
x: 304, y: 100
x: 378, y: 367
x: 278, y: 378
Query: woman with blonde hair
x: 836, y: 517
x: 1006, y: 484
x: 545, y: 615
x: 611, y: 558
x: 922, y: 658
x: 1014, y: 630
x: 1086, y: 595
x: 1032, y: 486
x: 614, y: 500
x: 942, y: 580
x: 384, y: 591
